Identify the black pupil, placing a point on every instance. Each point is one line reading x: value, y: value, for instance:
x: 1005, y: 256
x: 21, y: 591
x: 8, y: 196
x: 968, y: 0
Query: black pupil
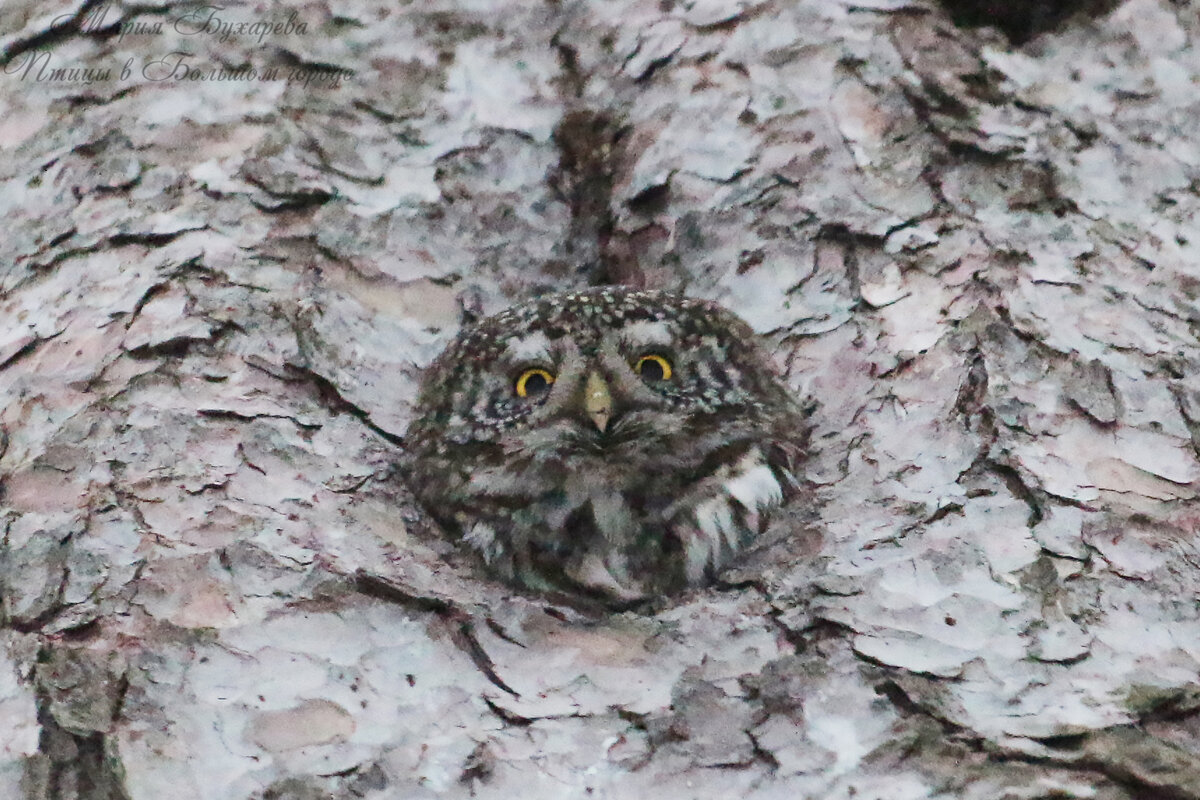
x: 651, y: 369
x: 536, y: 383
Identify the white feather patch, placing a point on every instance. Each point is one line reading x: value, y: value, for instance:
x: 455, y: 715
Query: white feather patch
x: 711, y: 517
x: 697, y: 552
x: 613, y: 517
x: 648, y: 332
x: 534, y: 347
x: 483, y: 538
x: 754, y: 484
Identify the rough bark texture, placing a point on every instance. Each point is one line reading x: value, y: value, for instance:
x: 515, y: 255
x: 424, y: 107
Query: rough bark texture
x: 978, y: 255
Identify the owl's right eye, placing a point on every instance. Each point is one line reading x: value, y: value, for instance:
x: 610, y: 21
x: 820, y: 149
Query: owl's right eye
x: 533, y: 383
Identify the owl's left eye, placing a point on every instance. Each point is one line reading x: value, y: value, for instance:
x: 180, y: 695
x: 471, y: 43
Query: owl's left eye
x: 533, y: 383
x: 653, y: 368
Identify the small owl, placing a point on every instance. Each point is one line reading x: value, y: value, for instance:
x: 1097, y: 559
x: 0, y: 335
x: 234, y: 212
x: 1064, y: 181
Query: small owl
x: 611, y: 444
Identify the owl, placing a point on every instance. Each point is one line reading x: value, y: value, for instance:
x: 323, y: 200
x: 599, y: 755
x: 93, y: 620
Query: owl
x: 610, y: 444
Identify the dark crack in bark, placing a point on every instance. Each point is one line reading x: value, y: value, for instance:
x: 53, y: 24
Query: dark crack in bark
x: 588, y: 141
x: 78, y: 699
x: 1022, y: 20
x: 461, y: 626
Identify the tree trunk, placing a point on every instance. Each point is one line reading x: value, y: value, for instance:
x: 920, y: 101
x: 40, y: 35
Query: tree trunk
x: 235, y: 236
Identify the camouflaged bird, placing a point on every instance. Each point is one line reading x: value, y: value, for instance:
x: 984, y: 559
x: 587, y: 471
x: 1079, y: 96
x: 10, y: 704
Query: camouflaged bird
x: 609, y: 443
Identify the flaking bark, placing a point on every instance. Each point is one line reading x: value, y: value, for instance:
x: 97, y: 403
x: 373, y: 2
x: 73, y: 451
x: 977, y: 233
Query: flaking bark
x: 974, y: 248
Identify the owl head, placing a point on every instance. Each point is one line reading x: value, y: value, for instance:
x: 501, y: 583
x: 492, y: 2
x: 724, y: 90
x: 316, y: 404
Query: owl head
x: 567, y: 439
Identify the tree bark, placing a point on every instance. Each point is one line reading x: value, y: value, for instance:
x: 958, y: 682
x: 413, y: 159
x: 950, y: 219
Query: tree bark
x: 235, y: 236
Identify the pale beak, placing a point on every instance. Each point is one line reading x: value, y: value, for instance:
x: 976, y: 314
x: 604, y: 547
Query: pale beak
x: 597, y: 401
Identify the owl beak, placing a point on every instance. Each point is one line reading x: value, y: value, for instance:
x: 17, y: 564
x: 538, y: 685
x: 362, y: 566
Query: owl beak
x: 597, y: 401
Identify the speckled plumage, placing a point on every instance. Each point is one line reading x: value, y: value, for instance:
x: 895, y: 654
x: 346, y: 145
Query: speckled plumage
x: 609, y: 484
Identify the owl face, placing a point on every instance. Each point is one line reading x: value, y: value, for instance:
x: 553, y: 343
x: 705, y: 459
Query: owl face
x: 573, y: 441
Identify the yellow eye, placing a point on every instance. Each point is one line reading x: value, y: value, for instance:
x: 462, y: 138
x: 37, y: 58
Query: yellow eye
x: 534, y: 382
x: 653, y: 368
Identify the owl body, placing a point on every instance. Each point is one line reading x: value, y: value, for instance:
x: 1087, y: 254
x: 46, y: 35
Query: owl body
x: 611, y: 443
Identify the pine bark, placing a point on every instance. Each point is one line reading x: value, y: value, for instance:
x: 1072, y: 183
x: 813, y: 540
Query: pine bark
x: 235, y: 236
